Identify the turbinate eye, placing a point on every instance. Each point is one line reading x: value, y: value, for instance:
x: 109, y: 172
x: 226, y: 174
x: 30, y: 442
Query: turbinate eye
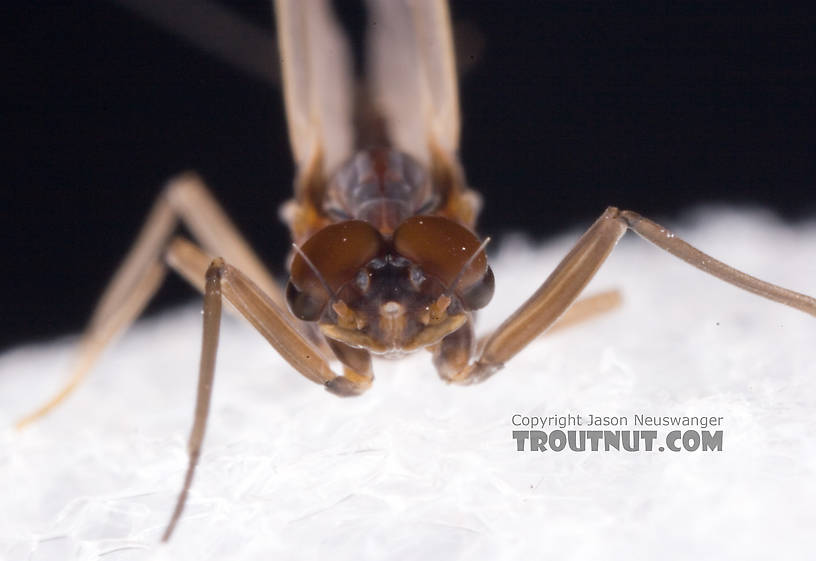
x: 337, y: 252
x: 441, y: 247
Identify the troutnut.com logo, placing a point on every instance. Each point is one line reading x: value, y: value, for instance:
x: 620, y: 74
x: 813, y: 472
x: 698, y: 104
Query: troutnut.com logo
x: 595, y: 433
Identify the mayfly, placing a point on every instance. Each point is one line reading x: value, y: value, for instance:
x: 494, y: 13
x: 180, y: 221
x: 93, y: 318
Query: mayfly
x: 385, y: 259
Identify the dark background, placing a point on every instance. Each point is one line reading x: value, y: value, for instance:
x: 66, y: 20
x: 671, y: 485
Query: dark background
x: 569, y: 107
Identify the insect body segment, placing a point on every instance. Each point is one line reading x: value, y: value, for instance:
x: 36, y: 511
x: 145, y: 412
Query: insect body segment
x: 390, y: 293
x: 381, y: 186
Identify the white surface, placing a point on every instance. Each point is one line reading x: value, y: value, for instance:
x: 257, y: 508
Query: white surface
x: 418, y: 469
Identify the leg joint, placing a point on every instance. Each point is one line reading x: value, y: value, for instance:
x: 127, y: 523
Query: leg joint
x: 181, y: 187
x: 216, y: 269
x: 343, y: 387
x: 630, y: 218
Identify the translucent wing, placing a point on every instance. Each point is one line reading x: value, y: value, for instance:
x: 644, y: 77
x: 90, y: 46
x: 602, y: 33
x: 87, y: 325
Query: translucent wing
x: 412, y: 75
x: 317, y: 84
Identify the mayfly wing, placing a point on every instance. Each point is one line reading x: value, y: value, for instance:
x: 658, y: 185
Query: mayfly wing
x: 318, y: 89
x: 412, y: 74
x: 411, y: 70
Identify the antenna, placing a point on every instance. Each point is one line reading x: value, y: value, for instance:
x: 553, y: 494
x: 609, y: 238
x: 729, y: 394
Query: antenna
x: 314, y: 270
x: 461, y: 272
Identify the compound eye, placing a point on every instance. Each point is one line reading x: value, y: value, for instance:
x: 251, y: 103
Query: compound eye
x: 478, y: 295
x: 337, y: 252
x: 303, y: 305
x: 441, y: 247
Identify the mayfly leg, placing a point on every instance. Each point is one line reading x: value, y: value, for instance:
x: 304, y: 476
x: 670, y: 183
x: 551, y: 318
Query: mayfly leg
x: 274, y: 323
x: 214, y: 29
x: 185, y: 200
x: 588, y: 308
x: 568, y: 280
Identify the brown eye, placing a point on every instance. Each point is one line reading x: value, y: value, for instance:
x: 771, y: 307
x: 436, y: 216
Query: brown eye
x: 479, y: 294
x: 441, y: 247
x: 305, y: 305
x: 337, y: 252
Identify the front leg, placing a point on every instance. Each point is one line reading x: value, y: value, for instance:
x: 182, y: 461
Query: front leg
x: 575, y: 271
x: 274, y: 324
x: 187, y: 201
